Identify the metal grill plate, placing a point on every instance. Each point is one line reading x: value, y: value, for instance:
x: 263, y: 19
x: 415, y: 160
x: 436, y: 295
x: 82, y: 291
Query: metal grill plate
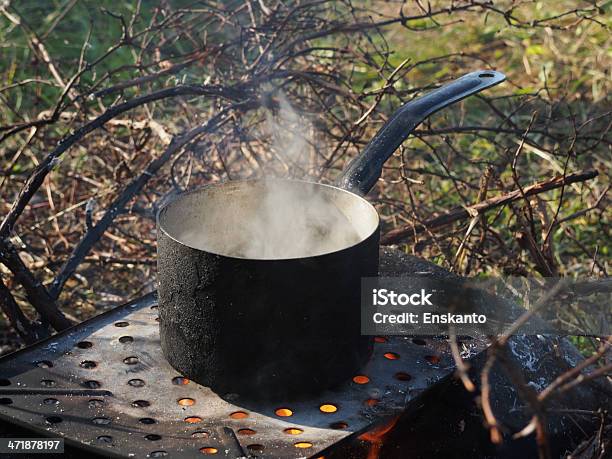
x: 104, y: 385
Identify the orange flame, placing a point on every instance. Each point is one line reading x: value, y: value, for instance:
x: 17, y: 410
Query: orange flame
x: 376, y: 437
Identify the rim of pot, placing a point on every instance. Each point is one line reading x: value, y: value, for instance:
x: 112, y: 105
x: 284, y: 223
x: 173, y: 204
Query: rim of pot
x: 181, y: 196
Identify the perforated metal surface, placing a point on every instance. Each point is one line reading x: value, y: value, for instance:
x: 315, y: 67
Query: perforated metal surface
x: 105, y: 385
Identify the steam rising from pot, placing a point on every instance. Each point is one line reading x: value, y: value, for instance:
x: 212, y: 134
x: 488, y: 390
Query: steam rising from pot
x: 291, y: 224
x: 274, y: 219
x: 291, y: 135
x: 277, y: 219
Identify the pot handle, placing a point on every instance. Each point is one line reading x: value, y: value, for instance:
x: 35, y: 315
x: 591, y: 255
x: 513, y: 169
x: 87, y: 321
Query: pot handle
x: 363, y: 171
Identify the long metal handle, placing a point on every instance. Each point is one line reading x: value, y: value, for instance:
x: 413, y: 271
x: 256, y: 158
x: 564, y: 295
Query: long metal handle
x: 363, y: 172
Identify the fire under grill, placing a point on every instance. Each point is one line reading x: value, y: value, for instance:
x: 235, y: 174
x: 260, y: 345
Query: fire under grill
x: 105, y: 386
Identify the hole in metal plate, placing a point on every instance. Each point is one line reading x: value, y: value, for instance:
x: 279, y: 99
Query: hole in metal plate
x: 328, y: 408
x: 338, y: 425
x: 95, y: 403
x: 401, y: 376
x: 180, y: 381
x: 193, y: 419
x: 303, y: 444
x: 101, y: 421
x: 141, y: 403
x: 131, y: 360
x: 91, y: 384
x: 146, y: 421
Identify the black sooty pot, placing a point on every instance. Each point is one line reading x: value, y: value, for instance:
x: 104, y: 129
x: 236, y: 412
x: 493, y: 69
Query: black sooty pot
x: 265, y: 325
x: 262, y: 326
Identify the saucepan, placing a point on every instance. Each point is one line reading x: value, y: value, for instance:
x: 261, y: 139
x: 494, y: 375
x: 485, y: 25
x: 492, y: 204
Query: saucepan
x: 259, y: 280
